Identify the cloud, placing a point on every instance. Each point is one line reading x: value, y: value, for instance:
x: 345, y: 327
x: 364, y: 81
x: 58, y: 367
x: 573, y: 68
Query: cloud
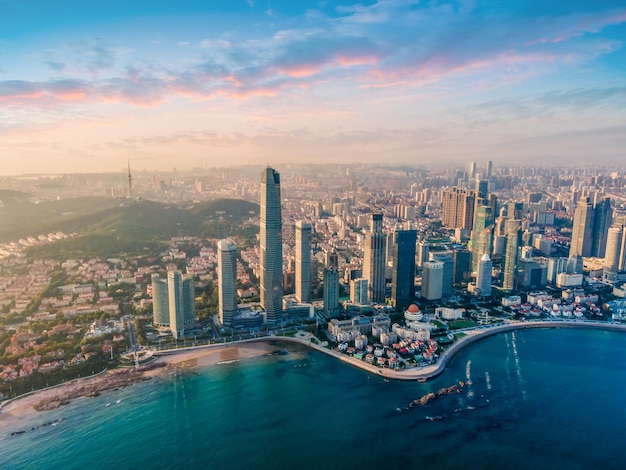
x: 385, y: 45
x: 141, y: 92
x: 56, y: 66
x: 95, y: 54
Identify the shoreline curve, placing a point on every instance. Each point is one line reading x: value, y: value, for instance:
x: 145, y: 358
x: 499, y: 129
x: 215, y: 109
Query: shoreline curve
x: 418, y: 373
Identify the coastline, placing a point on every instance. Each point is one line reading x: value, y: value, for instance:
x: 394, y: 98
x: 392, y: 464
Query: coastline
x: 13, y: 411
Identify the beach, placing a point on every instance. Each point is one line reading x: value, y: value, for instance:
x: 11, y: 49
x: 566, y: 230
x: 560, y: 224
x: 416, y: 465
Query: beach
x: 23, y: 407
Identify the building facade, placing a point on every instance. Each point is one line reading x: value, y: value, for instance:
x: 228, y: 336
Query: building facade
x: 403, y: 274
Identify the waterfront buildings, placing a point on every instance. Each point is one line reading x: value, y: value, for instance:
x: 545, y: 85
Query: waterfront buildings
x: 303, y: 261
x: 271, y: 247
x: 174, y: 302
x: 375, y: 259
x: 160, y: 301
x: 227, y: 281
x: 403, y: 274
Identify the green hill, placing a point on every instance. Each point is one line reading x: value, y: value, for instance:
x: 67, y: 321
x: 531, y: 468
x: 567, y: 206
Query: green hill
x: 112, y: 226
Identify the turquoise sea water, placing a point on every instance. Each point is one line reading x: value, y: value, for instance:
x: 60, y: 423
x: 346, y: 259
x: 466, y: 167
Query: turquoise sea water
x: 538, y: 399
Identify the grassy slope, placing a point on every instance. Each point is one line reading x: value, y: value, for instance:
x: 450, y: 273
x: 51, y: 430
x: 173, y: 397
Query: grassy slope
x: 119, y: 226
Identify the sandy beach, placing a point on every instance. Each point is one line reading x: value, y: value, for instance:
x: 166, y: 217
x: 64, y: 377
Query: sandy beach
x: 13, y: 412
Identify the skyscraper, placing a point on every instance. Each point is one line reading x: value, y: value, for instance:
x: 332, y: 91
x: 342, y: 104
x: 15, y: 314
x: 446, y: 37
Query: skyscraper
x: 603, y: 217
x: 481, y: 234
x: 331, y: 286
x: 358, y: 291
x: 457, y: 207
x: 303, y: 261
x: 174, y: 301
x: 483, y: 277
x: 374, y: 259
x: 512, y: 230
x: 160, y: 301
x: 613, y: 253
x: 432, y: 280
x: 227, y: 281
x: 403, y: 274
x: 271, y: 247
x: 446, y: 258
x: 590, y: 228
x: 181, y: 298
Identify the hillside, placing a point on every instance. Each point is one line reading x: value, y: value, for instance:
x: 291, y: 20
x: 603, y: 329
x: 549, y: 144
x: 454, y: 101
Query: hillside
x: 130, y: 226
x: 22, y: 218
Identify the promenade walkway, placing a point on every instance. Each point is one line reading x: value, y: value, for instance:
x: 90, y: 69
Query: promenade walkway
x: 417, y: 373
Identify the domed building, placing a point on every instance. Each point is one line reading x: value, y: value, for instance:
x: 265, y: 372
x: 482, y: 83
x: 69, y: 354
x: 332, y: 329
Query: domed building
x: 412, y: 316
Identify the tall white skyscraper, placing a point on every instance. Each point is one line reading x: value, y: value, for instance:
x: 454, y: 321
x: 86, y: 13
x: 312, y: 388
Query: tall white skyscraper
x: 271, y: 247
x: 227, y: 281
x: 483, y: 276
x: 303, y: 261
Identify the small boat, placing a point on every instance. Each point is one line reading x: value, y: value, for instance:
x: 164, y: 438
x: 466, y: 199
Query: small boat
x: 118, y: 401
x: 108, y: 404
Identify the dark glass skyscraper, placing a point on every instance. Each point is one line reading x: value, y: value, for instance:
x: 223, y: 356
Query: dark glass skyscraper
x: 403, y: 275
x: 374, y: 260
x: 271, y: 241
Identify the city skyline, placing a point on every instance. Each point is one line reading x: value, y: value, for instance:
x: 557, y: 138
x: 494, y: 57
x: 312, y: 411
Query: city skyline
x: 83, y: 89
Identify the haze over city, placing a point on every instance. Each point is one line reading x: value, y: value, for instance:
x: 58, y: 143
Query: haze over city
x: 84, y: 88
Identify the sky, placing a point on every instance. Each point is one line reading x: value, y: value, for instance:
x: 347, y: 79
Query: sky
x: 86, y: 86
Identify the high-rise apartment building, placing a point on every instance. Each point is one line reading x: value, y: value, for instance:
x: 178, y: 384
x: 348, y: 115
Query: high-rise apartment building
x: 182, y: 302
x: 374, y: 260
x: 227, y: 281
x: 457, y: 207
x: 160, y: 301
x: 303, y: 261
x: 403, y: 274
x: 174, y: 301
x: 271, y: 247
